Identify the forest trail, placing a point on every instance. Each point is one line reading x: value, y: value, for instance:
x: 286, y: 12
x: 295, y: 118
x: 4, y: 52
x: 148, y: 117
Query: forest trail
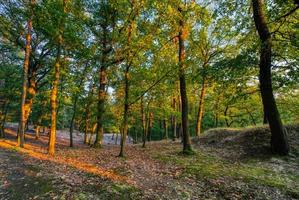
x: 154, y: 172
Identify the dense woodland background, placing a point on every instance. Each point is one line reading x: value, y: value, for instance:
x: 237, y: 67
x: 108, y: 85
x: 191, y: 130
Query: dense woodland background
x: 150, y: 69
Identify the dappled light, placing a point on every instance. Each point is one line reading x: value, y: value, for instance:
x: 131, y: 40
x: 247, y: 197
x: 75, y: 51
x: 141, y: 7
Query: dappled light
x: 40, y: 153
x: 130, y: 99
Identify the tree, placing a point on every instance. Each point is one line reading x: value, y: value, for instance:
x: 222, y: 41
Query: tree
x: 22, y: 123
x: 184, y: 99
x: 279, y: 141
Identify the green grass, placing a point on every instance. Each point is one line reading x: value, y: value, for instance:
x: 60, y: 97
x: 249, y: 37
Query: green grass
x: 207, y: 166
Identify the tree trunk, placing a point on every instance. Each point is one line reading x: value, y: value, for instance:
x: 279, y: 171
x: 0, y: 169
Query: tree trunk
x: 94, y: 127
x: 101, y: 106
x: 30, y: 93
x: 54, y: 92
x: 22, y: 122
x: 279, y: 141
x: 126, y: 113
x: 54, y: 104
x: 201, y: 106
x: 72, y: 120
x: 102, y: 89
x: 265, y: 121
x: 225, y: 116
x: 37, y: 131
x: 87, y: 124
x: 3, y: 120
x: 143, y: 121
x: 127, y: 88
x: 174, y: 132
x: 149, y: 126
x: 184, y: 99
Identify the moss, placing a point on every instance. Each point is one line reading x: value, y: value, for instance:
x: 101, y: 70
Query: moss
x: 188, y: 152
x: 207, y: 166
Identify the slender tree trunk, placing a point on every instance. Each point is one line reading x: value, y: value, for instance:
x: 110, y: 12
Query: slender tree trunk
x: 31, y: 93
x: 54, y: 104
x: 87, y: 124
x: 126, y: 113
x: 72, y: 121
x: 127, y: 88
x: 93, y: 130
x: 37, y: 131
x: 54, y: 92
x: 143, y: 121
x: 225, y: 116
x: 174, y: 122
x: 201, y: 106
x: 25, y: 79
x: 184, y: 99
x: 279, y: 141
x: 150, y: 125
x: 116, y: 139
x: 3, y: 120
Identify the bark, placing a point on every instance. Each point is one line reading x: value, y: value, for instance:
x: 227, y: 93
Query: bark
x: 21, y: 135
x: 101, y: 107
x: 183, y: 91
x: 143, y: 122
x: 149, y: 126
x: 201, y: 106
x: 94, y: 127
x: 279, y: 141
x: 126, y: 113
x: 72, y: 120
x: 88, y: 113
x: 87, y: 124
x: 37, y: 132
x: 3, y: 120
x: 55, y: 84
x: 31, y: 93
x: 174, y: 122
x: 116, y: 139
x: 265, y: 121
x: 102, y: 89
x: 54, y: 104
x: 127, y: 88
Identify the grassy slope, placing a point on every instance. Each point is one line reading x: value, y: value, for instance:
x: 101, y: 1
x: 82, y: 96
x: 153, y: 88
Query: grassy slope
x: 242, y: 155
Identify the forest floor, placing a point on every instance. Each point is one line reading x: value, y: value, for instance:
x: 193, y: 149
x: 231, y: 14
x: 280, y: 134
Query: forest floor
x: 227, y: 164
